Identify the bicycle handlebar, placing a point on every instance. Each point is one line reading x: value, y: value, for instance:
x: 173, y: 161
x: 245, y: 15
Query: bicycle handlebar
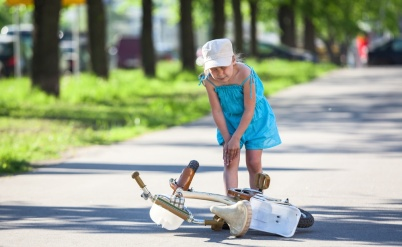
x: 136, y: 176
x: 159, y: 201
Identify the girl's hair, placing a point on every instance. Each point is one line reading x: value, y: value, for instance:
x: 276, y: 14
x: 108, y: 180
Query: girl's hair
x: 238, y: 57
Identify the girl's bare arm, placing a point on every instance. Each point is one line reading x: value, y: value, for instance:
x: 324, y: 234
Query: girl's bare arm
x: 217, y: 112
x: 249, y: 107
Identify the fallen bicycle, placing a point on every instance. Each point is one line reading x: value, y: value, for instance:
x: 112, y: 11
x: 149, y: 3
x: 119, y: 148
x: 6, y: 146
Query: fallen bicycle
x: 242, y: 209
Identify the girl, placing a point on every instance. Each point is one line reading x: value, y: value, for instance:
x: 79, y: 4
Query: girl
x: 241, y: 113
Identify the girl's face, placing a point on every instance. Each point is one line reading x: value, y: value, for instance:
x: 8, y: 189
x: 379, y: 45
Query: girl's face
x: 222, y: 74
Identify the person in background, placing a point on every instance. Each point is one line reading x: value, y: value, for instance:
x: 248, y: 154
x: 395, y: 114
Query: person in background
x: 362, y: 49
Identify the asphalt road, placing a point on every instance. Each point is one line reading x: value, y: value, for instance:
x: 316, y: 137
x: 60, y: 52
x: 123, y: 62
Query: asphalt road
x: 341, y: 159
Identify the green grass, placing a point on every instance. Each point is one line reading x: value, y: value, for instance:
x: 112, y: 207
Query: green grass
x: 35, y: 126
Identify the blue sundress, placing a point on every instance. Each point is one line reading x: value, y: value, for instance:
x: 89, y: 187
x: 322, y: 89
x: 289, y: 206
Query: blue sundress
x: 262, y: 131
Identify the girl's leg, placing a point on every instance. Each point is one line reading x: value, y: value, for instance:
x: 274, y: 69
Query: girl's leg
x: 230, y: 174
x: 254, y: 165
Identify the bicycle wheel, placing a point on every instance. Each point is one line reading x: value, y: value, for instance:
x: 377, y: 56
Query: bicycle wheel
x: 306, y: 219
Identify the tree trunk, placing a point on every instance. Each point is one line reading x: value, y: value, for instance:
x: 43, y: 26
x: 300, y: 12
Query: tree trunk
x: 309, y: 36
x: 186, y: 35
x: 343, y: 50
x: 286, y: 20
x: 45, y: 59
x: 147, y: 43
x: 238, y: 26
x: 329, y: 43
x: 218, y: 27
x: 253, y: 24
x: 97, y: 38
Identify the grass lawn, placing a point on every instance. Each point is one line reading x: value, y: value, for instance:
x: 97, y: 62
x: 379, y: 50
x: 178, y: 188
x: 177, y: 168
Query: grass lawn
x: 89, y: 111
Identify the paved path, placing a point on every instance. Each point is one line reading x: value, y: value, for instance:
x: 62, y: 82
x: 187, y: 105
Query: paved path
x: 341, y: 159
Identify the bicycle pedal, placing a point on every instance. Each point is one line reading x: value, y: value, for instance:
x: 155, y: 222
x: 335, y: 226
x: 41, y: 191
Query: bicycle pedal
x: 218, y: 223
x: 262, y: 181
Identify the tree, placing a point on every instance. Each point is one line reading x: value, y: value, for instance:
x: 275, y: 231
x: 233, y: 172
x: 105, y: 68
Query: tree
x: 308, y: 13
x: 286, y: 21
x: 238, y: 25
x: 45, y: 61
x: 187, y: 35
x: 309, y: 35
x: 218, y: 27
x: 97, y: 38
x: 338, y: 28
x: 253, y: 24
x: 147, y: 43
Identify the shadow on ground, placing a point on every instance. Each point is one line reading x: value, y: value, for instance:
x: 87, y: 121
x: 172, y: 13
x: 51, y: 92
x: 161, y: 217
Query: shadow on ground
x: 97, y: 168
x: 369, y: 225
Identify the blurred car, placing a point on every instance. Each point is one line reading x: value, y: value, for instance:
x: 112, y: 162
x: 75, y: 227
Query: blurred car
x: 25, y: 39
x: 69, y: 55
x: 129, y: 52
x: 25, y: 31
x: 387, y: 53
x: 7, y: 59
x: 269, y: 50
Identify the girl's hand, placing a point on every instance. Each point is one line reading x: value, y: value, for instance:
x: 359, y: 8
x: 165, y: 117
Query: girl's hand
x: 226, y: 155
x: 231, y: 150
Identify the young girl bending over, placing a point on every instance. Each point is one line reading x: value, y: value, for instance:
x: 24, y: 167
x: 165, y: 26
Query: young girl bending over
x: 240, y: 110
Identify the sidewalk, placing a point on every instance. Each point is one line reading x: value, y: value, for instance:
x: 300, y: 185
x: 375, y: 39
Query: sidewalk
x: 341, y: 159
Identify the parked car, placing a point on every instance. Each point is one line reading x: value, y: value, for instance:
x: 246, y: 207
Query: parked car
x: 69, y: 56
x: 7, y: 59
x: 269, y: 50
x: 68, y: 53
x: 129, y: 52
x: 387, y: 53
x: 24, y: 31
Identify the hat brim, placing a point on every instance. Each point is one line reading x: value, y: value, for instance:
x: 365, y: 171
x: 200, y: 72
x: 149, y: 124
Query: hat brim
x: 220, y: 62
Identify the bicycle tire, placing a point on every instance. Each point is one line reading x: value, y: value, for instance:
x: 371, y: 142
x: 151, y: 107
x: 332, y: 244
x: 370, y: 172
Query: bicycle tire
x: 306, y: 219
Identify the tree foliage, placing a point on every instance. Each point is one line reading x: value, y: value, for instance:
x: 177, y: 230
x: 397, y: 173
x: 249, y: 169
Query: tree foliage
x: 335, y: 22
x: 5, y: 14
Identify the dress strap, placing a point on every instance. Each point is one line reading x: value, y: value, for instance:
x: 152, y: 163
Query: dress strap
x: 202, y: 78
x: 251, y: 77
x: 210, y: 81
x: 248, y: 77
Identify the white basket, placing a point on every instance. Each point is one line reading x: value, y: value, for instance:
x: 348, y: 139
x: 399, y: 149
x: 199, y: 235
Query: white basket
x: 273, y: 217
x: 165, y: 218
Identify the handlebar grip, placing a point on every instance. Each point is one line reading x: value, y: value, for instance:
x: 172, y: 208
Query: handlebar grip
x: 136, y: 176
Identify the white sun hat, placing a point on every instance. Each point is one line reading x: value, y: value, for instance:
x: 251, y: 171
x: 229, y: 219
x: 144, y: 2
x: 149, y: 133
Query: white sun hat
x: 216, y: 53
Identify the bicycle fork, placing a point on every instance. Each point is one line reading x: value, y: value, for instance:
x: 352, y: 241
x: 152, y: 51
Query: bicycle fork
x: 215, y: 223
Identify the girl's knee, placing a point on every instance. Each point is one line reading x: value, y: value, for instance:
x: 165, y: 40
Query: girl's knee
x: 253, y: 161
x: 254, y: 166
x: 254, y: 169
